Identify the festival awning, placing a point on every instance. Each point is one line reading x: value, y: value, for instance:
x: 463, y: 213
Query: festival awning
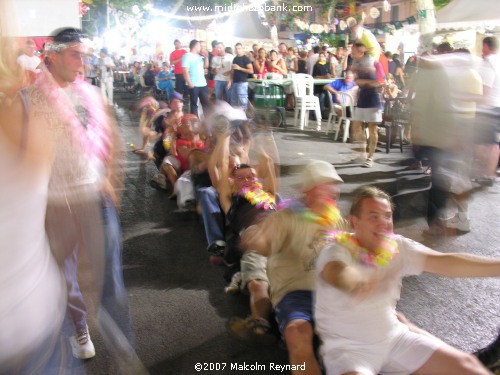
x: 467, y: 14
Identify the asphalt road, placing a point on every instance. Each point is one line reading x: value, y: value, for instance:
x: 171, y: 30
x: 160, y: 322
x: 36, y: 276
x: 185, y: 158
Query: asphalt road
x: 177, y: 299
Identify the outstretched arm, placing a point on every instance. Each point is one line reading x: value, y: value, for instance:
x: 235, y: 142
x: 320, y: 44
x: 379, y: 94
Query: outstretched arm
x: 461, y: 265
x: 219, y: 170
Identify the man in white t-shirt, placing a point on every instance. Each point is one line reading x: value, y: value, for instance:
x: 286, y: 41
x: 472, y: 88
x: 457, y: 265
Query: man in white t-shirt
x: 28, y: 60
x: 488, y: 124
x: 221, y: 66
x: 358, y: 283
x: 312, y: 59
x: 106, y: 66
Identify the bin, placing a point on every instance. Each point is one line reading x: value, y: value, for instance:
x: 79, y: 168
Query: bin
x: 269, y: 95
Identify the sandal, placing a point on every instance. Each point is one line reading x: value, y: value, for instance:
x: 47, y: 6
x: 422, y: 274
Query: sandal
x: 416, y: 166
x: 252, y: 330
x: 368, y: 163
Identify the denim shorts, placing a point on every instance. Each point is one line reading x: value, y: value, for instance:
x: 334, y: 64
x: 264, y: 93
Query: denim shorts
x: 296, y: 305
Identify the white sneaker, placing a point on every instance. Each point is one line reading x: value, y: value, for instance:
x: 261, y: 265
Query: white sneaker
x: 235, y: 284
x: 462, y: 225
x: 81, y: 344
x: 159, y: 181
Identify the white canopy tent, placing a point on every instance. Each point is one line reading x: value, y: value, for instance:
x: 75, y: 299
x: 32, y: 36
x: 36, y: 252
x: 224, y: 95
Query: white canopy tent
x: 245, y: 27
x: 468, y: 14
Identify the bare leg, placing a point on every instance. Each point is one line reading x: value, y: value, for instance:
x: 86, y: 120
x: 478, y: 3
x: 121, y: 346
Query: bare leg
x: 448, y: 360
x: 170, y: 172
x: 260, y: 304
x: 359, y: 138
x: 299, y: 342
x: 372, y: 128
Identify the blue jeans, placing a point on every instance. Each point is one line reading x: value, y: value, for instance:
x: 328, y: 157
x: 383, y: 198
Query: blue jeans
x: 213, y: 219
x: 221, y: 90
x: 71, y: 230
x: 202, y: 94
x: 180, y: 84
x: 239, y: 94
x: 114, y: 297
x: 76, y: 305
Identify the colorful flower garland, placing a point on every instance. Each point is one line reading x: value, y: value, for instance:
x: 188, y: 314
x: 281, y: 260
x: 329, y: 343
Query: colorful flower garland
x: 258, y: 197
x: 94, y: 136
x: 328, y: 217
x: 380, y: 257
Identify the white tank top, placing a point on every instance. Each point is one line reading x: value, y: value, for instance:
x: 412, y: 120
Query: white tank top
x: 32, y: 289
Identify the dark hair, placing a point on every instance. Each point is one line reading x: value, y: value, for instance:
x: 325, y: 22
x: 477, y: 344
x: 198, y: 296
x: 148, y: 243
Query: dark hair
x: 367, y: 192
x: 192, y: 44
x: 228, y: 50
x: 68, y: 35
x: 444, y: 47
x: 237, y: 167
x: 214, y: 43
x: 491, y: 42
x: 316, y: 49
x: 388, y: 55
x: 238, y: 44
x: 177, y: 41
x: 462, y: 50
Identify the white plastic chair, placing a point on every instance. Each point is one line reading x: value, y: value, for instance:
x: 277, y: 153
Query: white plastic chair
x: 347, y: 108
x: 303, y: 89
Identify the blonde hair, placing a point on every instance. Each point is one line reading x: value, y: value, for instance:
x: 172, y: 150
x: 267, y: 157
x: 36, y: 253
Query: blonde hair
x: 12, y: 76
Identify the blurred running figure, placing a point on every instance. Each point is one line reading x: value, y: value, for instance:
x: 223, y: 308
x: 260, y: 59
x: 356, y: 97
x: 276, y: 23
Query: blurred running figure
x: 81, y: 215
x: 488, y: 127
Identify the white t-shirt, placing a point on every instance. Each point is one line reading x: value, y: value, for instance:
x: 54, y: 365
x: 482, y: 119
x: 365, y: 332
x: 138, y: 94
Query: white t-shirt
x: 490, y: 74
x: 106, y: 65
x: 338, y: 315
x: 225, y: 64
x: 310, y: 63
x: 29, y: 62
x: 336, y: 67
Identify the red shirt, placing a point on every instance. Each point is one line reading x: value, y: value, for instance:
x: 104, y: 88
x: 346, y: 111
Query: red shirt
x: 182, y: 155
x: 177, y: 54
x: 385, y: 63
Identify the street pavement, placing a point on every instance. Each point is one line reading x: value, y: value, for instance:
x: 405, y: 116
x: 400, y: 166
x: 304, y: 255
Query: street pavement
x: 177, y: 300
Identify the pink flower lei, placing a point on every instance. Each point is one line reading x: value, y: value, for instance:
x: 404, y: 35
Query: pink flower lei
x: 94, y: 137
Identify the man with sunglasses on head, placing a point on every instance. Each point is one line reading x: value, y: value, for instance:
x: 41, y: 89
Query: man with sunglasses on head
x: 81, y: 213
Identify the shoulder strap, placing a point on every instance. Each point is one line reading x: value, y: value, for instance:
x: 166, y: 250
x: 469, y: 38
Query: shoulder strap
x: 25, y: 122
